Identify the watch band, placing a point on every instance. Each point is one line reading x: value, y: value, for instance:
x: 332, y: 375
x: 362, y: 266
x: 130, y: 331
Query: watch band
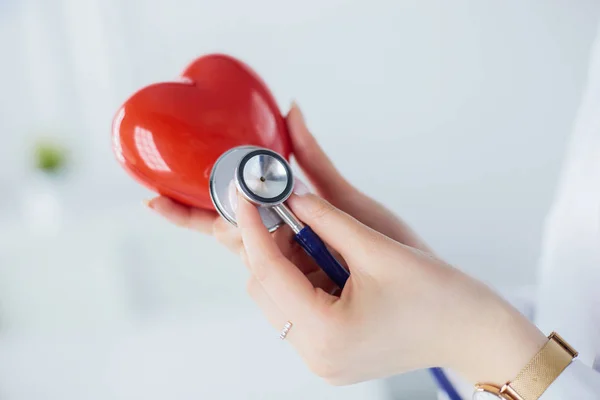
x: 542, y: 370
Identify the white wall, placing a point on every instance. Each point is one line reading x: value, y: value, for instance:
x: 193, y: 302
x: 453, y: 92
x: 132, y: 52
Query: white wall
x: 457, y: 113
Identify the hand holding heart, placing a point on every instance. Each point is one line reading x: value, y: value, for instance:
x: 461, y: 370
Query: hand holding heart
x: 402, y: 308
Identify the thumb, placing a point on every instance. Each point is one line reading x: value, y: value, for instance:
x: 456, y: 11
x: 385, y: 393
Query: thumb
x: 350, y: 238
x: 312, y: 158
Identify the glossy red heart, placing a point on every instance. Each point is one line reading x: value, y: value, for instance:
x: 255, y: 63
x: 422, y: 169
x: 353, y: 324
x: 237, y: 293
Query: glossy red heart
x: 169, y: 135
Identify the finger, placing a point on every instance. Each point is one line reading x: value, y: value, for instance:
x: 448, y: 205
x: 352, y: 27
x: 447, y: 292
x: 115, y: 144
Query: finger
x: 182, y: 215
x: 285, y: 284
x: 318, y: 278
x: 270, y: 310
x: 312, y: 158
x: 285, y: 239
x: 345, y: 234
x: 228, y: 235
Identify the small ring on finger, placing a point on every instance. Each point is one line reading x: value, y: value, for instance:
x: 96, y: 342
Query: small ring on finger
x: 286, y: 328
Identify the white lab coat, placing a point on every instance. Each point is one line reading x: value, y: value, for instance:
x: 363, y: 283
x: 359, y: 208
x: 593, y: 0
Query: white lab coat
x: 567, y: 297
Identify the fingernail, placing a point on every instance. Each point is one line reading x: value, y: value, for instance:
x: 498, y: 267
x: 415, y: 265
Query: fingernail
x: 232, y: 194
x: 300, y: 188
x: 148, y: 203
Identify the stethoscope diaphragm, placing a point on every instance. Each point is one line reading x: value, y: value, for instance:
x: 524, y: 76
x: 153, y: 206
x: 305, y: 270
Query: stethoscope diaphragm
x: 221, y: 178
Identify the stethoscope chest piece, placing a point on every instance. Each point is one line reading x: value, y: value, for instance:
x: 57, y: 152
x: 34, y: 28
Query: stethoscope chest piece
x: 265, y: 179
x: 225, y: 171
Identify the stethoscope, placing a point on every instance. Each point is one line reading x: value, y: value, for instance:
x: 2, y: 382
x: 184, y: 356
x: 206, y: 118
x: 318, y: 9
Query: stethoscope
x: 265, y: 179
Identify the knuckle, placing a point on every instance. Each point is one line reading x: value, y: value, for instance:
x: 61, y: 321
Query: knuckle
x: 218, y: 230
x: 371, y: 240
x: 224, y: 234
x: 371, y: 245
x: 321, y: 210
x: 327, y: 370
x: 261, y: 267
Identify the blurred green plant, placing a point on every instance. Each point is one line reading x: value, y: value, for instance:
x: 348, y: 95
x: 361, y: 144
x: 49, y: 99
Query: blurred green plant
x: 50, y: 156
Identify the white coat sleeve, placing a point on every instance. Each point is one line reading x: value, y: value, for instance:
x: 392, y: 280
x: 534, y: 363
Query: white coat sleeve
x: 568, y: 295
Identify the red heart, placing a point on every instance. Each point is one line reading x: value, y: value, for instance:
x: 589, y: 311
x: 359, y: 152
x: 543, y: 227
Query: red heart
x: 169, y: 135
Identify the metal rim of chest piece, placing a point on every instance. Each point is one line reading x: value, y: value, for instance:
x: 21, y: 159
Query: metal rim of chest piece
x: 223, y: 174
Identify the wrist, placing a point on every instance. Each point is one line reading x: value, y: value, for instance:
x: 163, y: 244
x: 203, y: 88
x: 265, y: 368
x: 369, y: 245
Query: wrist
x: 497, y: 342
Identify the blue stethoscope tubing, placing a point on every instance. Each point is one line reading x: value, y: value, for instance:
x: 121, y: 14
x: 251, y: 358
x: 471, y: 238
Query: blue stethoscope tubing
x: 444, y: 383
x: 316, y: 248
x: 339, y: 275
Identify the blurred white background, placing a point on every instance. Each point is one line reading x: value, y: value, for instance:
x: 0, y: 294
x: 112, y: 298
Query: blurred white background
x: 464, y: 105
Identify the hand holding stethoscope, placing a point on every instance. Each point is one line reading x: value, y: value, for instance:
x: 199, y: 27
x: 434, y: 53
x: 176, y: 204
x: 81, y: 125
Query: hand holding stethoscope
x: 398, y: 314
x: 404, y: 310
x: 265, y: 179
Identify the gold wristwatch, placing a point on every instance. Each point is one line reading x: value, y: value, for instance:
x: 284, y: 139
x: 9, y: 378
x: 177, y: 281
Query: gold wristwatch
x: 536, y: 377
